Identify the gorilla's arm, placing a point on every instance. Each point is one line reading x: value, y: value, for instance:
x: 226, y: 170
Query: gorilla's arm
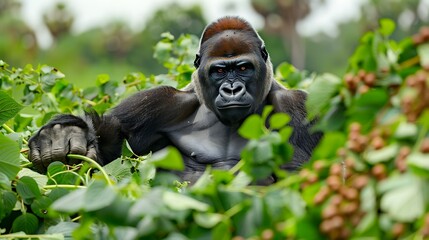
x: 144, y: 116
x: 303, y: 139
x: 140, y: 119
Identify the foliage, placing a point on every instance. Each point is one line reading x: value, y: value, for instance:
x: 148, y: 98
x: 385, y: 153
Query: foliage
x: 367, y: 179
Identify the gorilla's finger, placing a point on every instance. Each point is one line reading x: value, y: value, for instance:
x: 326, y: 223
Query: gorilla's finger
x: 92, y: 152
x: 45, y: 151
x: 78, y: 142
x: 60, y: 147
x: 35, y: 156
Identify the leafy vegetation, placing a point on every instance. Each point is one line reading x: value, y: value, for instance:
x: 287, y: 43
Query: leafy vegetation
x: 367, y: 179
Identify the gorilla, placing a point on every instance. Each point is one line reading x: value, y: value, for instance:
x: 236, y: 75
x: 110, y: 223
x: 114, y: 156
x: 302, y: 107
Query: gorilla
x: 233, y: 79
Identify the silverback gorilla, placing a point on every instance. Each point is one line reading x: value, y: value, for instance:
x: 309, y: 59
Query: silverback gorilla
x: 233, y: 79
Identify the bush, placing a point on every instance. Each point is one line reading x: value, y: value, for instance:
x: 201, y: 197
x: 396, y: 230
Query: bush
x: 368, y: 178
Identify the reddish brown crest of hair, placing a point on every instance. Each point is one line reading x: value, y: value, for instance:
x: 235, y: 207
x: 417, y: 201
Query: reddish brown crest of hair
x: 223, y: 24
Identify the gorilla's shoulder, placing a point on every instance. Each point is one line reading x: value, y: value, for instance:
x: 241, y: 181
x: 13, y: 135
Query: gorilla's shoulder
x: 291, y: 101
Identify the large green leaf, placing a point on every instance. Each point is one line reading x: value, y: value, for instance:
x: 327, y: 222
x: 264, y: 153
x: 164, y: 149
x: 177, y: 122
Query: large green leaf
x: 419, y: 164
x: 321, y: 92
x: 8, y: 107
x: 28, y: 189
x: 97, y: 196
x: 27, y: 223
x: 279, y: 120
x: 65, y: 229
x: 167, y: 158
x: 71, y: 202
x: 403, y: 197
x: 7, y: 202
x: 178, y: 201
x: 9, y: 157
x: 251, y: 127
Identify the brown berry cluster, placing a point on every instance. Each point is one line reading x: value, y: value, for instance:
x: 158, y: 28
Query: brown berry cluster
x: 358, y: 142
x: 361, y: 82
x: 422, y: 36
x: 401, y: 159
x: 309, y: 177
x: 342, y: 192
x: 414, y: 104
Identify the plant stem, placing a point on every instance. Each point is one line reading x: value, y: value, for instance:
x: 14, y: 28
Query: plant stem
x: 10, y: 130
x: 93, y: 163
x: 67, y: 186
x: 237, y: 167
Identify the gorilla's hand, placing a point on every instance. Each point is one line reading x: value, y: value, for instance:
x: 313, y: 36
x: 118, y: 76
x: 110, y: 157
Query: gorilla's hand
x: 63, y: 135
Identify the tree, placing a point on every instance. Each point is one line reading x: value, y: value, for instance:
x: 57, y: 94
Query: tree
x: 59, y: 20
x: 281, y: 17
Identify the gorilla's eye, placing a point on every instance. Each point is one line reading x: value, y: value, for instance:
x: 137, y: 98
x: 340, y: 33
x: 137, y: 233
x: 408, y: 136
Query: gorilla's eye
x: 243, y: 68
x: 220, y: 70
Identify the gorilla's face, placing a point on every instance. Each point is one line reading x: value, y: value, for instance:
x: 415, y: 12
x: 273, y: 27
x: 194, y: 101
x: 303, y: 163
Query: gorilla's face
x: 232, y: 75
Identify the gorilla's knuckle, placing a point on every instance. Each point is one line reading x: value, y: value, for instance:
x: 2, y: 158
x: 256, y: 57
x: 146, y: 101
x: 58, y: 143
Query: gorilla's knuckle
x: 57, y: 127
x: 44, y: 132
x: 78, y: 149
x: 57, y: 152
x: 76, y: 131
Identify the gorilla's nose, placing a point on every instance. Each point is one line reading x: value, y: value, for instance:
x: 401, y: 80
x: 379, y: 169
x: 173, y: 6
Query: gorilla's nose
x: 232, y: 91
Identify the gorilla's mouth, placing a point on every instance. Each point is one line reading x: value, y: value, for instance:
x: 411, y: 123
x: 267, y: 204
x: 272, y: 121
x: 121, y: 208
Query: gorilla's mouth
x: 233, y: 105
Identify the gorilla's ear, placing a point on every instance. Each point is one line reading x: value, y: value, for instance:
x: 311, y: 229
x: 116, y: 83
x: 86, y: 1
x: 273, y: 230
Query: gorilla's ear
x: 197, y: 60
x: 264, y: 53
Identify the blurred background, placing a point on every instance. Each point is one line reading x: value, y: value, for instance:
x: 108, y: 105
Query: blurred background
x: 85, y: 38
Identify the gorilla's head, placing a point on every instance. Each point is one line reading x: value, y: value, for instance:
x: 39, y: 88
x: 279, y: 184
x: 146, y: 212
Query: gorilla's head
x: 234, y: 73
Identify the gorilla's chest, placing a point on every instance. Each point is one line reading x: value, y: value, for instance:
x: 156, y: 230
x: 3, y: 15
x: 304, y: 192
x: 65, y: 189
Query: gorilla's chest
x: 203, y: 140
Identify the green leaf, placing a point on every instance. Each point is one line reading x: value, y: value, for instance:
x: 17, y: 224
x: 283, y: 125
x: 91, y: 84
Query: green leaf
x: 419, y: 163
x: 102, y: 79
x: 423, y: 51
x: 98, y: 195
x: 382, y: 155
x: 27, y: 223
x: 40, y: 179
x: 167, y: 158
x: 406, y: 130
x: 40, y: 206
x: 403, y: 197
x: 329, y: 144
x: 65, y: 229
x: 279, y: 120
x: 162, y: 51
x: 179, y: 202
x: 387, y: 26
x: 424, y: 119
x: 118, y: 169
x: 9, y: 157
x: 367, y: 105
x: 8, y: 107
x: 58, y: 174
x: 222, y: 230
x: 70, y: 203
x: 4, y: 182
x: 7, y: 203
x: 208, y: 220
x: 28, y: 189
x: 320, y: 93
x: 266, y: 111
x: 252, y: 127
x: 263, y: 152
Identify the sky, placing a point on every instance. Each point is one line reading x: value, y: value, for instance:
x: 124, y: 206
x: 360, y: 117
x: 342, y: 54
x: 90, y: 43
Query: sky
x: 93, y: 13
